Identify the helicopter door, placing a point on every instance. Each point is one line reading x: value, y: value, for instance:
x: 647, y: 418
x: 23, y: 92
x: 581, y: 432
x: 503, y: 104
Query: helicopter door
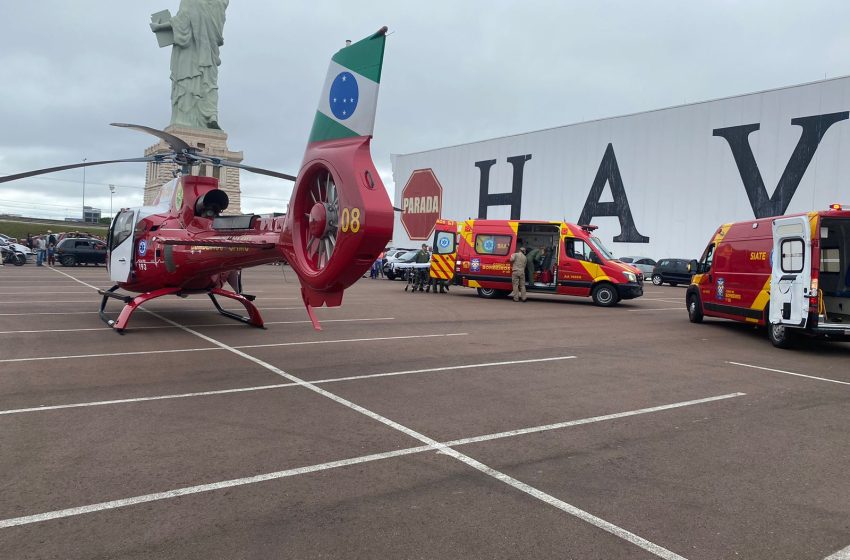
x: 121, y: 246
x: 792, y: 271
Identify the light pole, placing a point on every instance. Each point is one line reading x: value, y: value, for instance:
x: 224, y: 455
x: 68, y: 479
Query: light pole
x: 111, y: 192
x: 84, y: 192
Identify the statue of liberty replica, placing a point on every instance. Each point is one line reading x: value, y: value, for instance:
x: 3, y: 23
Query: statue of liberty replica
x: 195, y: 34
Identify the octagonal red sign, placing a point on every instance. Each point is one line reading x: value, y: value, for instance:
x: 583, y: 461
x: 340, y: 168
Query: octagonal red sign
x: 421, y: 204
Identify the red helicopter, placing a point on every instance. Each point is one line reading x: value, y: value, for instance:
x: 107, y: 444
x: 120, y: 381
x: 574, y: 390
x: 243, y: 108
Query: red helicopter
x: 339, y: 216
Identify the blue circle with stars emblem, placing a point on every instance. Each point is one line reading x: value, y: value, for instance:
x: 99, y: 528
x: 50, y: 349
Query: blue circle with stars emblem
x: 344, y: 95
x: 143, y: 247
x: 489, y: 245
x: 444, y: 242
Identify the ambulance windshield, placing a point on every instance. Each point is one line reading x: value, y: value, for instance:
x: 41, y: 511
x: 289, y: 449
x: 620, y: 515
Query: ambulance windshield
x: 597, y: 244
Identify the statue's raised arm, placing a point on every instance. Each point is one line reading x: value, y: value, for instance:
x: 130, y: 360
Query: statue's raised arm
x: 195, y: 32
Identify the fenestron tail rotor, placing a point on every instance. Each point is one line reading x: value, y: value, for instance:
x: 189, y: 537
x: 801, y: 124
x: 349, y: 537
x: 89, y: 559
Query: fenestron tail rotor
x: 322, y: 220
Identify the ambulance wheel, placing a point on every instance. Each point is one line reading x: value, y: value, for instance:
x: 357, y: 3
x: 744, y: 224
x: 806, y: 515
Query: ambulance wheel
x: 779, y: 335
x: 656, y: 279
x: 488, y: 293
x: 604, y: 295
x: 694, y: 309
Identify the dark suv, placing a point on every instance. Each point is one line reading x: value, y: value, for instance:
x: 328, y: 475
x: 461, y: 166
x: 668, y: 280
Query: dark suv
x: 73, y: 251
x: 672, y: 271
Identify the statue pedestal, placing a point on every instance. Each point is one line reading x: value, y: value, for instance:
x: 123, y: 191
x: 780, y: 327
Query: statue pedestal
x: 211, y: 142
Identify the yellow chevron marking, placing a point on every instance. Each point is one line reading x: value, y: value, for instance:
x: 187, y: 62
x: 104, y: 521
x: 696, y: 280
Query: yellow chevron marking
x: 763, y: 297
x: 595, y: 271
x: 724, y: 229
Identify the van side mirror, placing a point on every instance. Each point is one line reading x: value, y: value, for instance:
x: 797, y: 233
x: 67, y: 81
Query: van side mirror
x: 693, y: 267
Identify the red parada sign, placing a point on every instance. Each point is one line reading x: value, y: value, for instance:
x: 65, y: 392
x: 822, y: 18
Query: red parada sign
x: 421, y: 204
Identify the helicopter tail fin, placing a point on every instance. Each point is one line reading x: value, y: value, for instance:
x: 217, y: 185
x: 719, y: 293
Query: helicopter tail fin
x: 340, y: 217
x: 350, y: 95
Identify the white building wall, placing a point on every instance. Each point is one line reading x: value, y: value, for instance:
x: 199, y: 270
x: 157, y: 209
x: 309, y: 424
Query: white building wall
x: 681, y: 181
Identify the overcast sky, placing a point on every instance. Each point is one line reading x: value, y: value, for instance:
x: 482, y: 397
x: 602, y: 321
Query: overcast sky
x: 454, y: 72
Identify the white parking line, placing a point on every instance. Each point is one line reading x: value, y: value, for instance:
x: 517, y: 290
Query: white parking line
x: 790, y: 373
x: 601, y: 523
x: 276, y: 386
x: 211, y: 310
x: 843, y: 554
x: 228, y: 324
x: 583, y: 421
x: 39, y: 292
x: 84, y: 300
x: 680, y: 308
x: 218, y: 347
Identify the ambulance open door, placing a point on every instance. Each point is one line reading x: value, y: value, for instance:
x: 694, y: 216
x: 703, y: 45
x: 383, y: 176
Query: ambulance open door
x: 791, y: 275
x: 120, y: 245
x: 444, y: 251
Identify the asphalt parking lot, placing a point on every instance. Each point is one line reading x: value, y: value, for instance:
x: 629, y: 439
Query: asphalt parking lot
x: 412, y: 426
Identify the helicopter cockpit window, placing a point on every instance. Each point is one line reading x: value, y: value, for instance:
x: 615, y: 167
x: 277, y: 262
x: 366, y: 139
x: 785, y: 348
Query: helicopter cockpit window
x: 122, y: 229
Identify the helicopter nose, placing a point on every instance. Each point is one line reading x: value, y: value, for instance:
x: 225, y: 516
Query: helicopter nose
x: 318, y: 220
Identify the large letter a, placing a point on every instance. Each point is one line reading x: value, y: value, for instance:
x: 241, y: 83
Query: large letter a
x: 609, y: 172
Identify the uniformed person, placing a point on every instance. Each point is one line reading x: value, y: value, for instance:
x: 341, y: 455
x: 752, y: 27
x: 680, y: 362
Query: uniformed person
x: 518, y: 264
x: 532, y: 257
x: 422, y: 257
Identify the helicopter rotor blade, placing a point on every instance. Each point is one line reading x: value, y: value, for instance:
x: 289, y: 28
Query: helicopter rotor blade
x: 16, y: 176
x: 253, y: 169
x: 175, y: 143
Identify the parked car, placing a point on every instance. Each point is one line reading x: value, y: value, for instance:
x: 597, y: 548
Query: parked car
x: 73, y: 251
x: 672, y: 271
x: 17, y: 247
x: 644, y: 264
x: 390, y: 270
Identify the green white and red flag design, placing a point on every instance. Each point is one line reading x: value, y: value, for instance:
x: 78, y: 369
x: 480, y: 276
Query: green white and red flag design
x: 350, y: 94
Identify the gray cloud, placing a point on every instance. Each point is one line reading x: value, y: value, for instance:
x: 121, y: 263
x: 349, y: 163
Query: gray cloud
x: 454, y: 72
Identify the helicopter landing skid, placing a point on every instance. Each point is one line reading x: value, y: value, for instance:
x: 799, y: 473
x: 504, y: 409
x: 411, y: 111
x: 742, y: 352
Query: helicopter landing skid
x: 132, y: 303
x: 253, y: 318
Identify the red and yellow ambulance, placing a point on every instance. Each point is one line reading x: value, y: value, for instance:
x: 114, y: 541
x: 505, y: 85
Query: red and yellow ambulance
x: 571, y: 261
x: 789, y: 273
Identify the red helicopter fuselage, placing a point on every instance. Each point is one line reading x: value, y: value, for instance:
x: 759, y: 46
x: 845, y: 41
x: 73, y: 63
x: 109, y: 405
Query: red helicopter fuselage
x: 187, y: 249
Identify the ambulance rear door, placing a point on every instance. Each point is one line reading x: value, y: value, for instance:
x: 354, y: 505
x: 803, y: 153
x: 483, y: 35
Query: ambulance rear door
x: 444, y: 251
x: 791, y: 275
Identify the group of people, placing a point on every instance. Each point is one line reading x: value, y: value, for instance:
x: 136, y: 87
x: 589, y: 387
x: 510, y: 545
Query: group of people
x: 44, y: 247
x: 524, y: 264
x: 377, y: 270
x: 420, y: 279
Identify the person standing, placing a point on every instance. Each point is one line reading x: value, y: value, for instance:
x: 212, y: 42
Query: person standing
x: 518, y: 263
x: 40, y: 248
x: 422, y: 257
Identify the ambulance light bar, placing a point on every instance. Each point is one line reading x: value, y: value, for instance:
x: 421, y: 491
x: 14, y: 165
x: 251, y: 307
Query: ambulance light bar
x: 588, y: 228
x: 835, y: 207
